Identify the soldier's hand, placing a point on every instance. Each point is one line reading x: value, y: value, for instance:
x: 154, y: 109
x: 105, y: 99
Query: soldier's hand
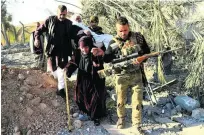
x: 97, y: 52
x: 136, y: 62
x: 37, y: 43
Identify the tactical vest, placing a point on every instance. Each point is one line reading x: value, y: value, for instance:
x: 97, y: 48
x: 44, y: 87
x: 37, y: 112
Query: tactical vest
x: 125, y: 48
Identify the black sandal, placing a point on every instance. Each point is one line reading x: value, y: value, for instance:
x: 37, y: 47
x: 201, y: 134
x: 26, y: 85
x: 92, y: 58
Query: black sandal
x: 96, y: 122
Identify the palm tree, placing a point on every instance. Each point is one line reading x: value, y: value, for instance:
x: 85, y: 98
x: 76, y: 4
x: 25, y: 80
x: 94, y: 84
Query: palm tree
x: 5, y: 21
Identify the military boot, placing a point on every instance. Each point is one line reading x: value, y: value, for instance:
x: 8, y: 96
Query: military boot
x: 121, y: 123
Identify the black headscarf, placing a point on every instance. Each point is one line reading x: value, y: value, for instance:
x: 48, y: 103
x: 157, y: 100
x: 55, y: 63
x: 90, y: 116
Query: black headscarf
x: 86, y: 41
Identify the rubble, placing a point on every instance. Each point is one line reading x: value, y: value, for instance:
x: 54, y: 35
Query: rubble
x: 186, y: 102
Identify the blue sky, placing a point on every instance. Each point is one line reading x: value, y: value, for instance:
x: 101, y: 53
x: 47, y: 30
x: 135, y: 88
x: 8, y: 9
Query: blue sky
x: 28, y: 11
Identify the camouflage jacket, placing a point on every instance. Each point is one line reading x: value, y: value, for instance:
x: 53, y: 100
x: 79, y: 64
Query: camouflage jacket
x: 135, y: 43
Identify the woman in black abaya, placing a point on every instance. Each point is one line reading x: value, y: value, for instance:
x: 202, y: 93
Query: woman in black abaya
x: 90, y: 89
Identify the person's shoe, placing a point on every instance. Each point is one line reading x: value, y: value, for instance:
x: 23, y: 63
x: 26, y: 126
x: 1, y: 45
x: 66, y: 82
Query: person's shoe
x: 121, y: 123
x: 83, y: 117
x: 96, y: 122
x: 61, y: 93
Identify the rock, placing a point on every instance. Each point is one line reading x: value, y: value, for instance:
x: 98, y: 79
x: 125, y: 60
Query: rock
x: 24, y: 88
x: 173, y: 112
x: 21, y: 77
x: 30, y: 81
x: 77, y: 124
x: 163, y: 101
x: 16, y: 129
x: 198, y: 114
x: 48, y: 81
x: 163, y: 120
x: 149, y: 112
x: 168, y: 106
x: 187, y: 120
x: 178, y: 108
x: 75, y: 115
x: 36, y: 101
x: 17, y: 133
x: 42, y: 106
x: 29, y: 96
x: 24, y: 93
x: 29, y: 111
x: 40, y: 86
x: 3, y: 130
x: 166, y: 121
x: 29, y: 132
x: 21, y: 99
x: 28, y: 72
x: 11, y: 72
x: 55, y: 103
x: 186, y: 103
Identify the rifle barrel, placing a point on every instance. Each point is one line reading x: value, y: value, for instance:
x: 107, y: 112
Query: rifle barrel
x: 134, y: 55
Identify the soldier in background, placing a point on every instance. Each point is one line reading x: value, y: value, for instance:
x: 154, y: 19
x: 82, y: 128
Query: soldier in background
x: 93, y: 26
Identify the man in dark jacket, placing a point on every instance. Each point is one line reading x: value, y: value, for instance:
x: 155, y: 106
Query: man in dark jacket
x: 60, y: 31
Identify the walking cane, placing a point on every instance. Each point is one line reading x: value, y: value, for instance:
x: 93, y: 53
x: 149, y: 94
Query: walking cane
x: 67, y: 102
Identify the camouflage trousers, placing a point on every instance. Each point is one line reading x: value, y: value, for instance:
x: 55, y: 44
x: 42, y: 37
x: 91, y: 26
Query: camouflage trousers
x: 133, y: 81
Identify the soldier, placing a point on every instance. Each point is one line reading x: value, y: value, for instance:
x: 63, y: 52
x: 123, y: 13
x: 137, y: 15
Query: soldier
x: 93, y: 26
x: 125, y: 43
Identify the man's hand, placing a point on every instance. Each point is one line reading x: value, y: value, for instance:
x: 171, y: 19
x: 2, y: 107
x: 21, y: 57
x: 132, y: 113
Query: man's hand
x: 37, y: 43
x: 97, y: 51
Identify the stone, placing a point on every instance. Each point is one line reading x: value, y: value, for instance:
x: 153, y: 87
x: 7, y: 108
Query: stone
x: 29, y: 111
x: 198, y: 114
x: 30, y: 81
x: 29, y: 132
x: 29, y: 96
x: 163, y: 120
x: 168, y: 106
x: 17, y: 133
x: 75, y: 115
x: 178, y: 108
x: 42, y: 106
x: 40, y: 86
x: 3, y: 130
x: 16, y: 129
x: 186, y: 103
x: 21, y: 99
x: 28, y: 72
x: 24, y: 93
x: 55, y: 103
x: 21, y: 77
x: 77, y: 124
x: 173, y: 112
x: 24, y: 88
x: 149, y: 112
x: 186, y: 121
x: 36, y: 101
x: 11, y: 72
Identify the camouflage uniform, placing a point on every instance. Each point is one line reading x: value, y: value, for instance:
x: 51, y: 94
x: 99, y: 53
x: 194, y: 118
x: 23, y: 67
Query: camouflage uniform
x: 127, y: 74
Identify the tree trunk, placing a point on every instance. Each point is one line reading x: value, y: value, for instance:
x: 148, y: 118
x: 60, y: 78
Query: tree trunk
x: 23, y: 32
x: 15, y: 34
x: 4, y: 34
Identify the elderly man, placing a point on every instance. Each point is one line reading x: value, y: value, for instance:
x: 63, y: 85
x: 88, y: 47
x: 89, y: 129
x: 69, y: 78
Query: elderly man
x: 59, y: 31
